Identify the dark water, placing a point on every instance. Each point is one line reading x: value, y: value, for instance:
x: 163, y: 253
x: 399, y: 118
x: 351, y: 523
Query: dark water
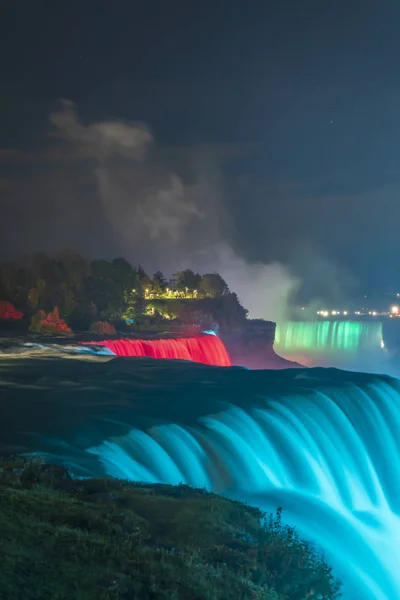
x: 322, y: 443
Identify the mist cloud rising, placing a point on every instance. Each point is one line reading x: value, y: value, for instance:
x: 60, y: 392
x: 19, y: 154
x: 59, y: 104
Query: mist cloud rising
x: 103, y: 139
x: 142, y: 201
x: 165, y: 221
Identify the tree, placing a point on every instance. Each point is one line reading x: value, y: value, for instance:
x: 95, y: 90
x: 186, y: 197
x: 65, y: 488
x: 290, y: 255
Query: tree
x: 86, y: 291
x: 43, y: 267
x: 145, y: 283
x: 229, y: 312
x: 68, y: 300
x: 187, y: 281
x: 213, y: 286
x: 14, y: 282
x: 101, y: 269
x: 140, y: 271
x: 159, y: 283
x: 123, y: 274
x: 105, y: 294
x: 74, y: 268
x: 36, y: 293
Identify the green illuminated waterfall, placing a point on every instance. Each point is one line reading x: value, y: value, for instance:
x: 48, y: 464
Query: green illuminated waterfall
x: 328, y: 336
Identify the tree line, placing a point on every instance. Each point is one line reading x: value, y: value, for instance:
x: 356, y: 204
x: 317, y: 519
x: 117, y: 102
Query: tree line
x: 88, y: 290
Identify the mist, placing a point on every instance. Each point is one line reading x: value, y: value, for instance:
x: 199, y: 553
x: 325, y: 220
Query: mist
x: 167, y: 220
x: 109, y: 188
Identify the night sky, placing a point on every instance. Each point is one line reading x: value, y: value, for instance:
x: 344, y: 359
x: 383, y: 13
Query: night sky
x: 162, y: 129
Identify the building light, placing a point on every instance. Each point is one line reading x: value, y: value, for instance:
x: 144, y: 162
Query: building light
x: 394, y: 309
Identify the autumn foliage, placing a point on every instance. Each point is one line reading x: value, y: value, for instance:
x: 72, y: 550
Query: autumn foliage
x: 102, y: 328
x: 7, y: 311
x: 51, y: 322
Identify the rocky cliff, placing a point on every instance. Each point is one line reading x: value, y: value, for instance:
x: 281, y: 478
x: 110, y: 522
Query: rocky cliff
x: 253, y: 347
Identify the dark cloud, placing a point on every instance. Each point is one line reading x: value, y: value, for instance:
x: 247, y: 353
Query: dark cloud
x: 119, y: 193
x: 269, y: 130
x: 108, y: 188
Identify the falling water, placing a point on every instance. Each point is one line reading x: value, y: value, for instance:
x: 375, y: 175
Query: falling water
x: 346, y: 344
x: 323, y: 444
x: 329, y: 457
x: 336, y: 336
x: 206, y: 349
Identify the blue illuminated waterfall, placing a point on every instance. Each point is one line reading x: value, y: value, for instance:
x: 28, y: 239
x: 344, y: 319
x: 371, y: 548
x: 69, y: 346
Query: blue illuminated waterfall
x: 331, y: 459
x: 323, y: 444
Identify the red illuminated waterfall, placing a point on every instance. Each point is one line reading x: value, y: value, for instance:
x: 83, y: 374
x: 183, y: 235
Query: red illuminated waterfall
x: 207, y: 349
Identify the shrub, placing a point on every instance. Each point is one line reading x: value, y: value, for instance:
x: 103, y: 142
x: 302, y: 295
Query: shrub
x: 49, y: 323
x: 113, y: 540
x: 102, y: 328
x: 7, y: 311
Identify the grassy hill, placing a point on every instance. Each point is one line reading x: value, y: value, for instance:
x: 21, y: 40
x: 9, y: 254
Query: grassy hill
x: 105, y: 539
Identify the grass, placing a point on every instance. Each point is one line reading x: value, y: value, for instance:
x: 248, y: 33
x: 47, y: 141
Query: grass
x: 106, y: 539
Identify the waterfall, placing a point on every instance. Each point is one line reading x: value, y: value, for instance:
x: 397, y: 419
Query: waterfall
x: 344, y: 344
x: 335, y: 336
x: 322, y: 443
x: 328, y: 456
x: 206, y: 349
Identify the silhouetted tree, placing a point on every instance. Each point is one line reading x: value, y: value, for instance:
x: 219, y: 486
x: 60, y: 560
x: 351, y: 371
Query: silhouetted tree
x: 123, y: 274
x: 74, y: 268
x: 212, y: 285
x: 187, y: 281
x: 145, y: 283
x: 87, y: 291
x: 101, y: 269
x: 229, y: 312
x: 160, y: 284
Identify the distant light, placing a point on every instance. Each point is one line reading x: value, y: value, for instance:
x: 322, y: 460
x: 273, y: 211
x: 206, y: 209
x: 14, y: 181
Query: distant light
x: 374, y: 314
x: 394, y: 310
x: 345, y: 312
x: 334, y: 312
x: 382, y: 344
